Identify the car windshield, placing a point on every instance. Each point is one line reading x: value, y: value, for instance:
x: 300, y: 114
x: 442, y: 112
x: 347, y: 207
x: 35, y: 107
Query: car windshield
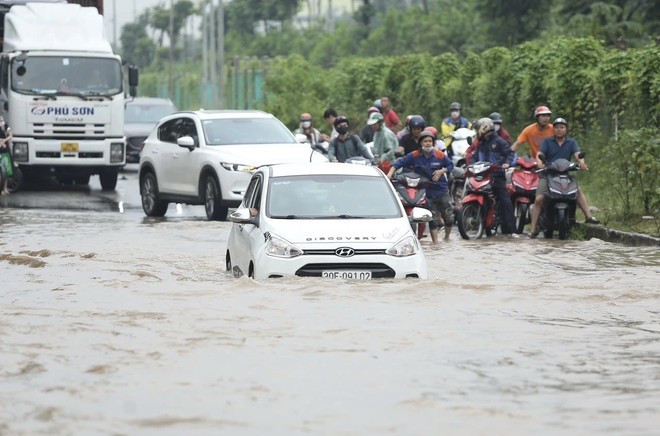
x: 235, y: 131
x: 147, y: 113
x: 331, y: 197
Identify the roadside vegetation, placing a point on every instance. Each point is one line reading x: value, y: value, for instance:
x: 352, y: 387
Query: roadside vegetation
x: 594, y: 63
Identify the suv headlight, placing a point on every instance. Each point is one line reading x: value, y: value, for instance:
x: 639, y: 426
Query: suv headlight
x: 279, y: 247
x: 117, y: 152
x: 405, y: 247
x: 21, y: 152
x: 237, y: 167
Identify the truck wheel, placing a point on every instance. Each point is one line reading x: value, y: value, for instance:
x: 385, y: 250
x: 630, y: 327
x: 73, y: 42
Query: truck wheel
x: 108, y: 179
x: 213, y: 199
x: 15, y: 182
x: 151, y: 204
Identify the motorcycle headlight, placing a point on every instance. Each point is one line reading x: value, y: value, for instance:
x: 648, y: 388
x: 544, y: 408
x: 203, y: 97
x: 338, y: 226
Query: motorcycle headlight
x: 279, y: 247
x: 412, y: 183
x: 405, y: 247
x: 237, y: 167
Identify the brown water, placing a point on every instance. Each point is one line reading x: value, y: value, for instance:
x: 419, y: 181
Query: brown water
x: 111, y: 323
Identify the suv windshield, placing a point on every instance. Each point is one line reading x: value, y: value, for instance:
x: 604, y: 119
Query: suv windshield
x: 331, y: 196
x: 234, y: 131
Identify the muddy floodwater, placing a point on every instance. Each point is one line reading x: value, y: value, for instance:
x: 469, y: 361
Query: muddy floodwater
x: 112, y: 323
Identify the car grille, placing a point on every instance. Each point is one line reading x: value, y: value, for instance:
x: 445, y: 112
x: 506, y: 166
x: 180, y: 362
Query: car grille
x: 331, y: 252
x: 378, y: 270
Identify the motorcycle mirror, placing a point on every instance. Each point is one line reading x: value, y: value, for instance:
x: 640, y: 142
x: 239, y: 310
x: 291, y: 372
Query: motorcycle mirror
x: 542, y: 157
x: 582, y: 154
x: 469, y: 140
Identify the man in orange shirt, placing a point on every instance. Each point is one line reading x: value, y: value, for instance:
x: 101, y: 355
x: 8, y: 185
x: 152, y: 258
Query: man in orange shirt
x: 534, y: 134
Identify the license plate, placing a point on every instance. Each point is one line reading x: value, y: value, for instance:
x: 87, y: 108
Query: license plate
x: 353, y: 275
x: 70, y: 147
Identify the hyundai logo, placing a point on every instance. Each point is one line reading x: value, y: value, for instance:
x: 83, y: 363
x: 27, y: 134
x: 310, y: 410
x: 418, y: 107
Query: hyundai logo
x: 344, y: 252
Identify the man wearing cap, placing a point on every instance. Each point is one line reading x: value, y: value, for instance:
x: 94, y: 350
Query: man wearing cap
x: 556, y: 147
x: 367, y: 133
x: 535, y: 133
x: 433, y: 164
x: 346, y: 145
x: 385, y: 141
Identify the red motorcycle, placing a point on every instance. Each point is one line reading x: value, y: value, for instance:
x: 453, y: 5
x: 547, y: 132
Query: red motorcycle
x: 411, y: 188
x: 524, y: 181
x: 478, y: 212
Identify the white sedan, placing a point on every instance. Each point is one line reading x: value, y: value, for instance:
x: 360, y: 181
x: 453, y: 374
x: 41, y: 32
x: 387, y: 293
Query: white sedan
x: 337, y: 221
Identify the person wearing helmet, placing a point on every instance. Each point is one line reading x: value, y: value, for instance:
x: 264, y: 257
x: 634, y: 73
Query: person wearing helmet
x: 435, y: 165
x: 391, y: 118
x: 346, y: 145
x: 499, y: 128
x: 406, y: 127
x: 558, y: 146
x: 306, y: 128
x: 385, y: 142
x: 409, y: 142
x: 492, y: 148
x: 453, y: 122
x: 367, y: 133
x: 535, y: 133
x: 329, y: 116
x: 439, y: 143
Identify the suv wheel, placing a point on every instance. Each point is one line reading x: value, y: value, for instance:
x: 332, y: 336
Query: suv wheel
x: 151, y: 203
x: 212, y: 200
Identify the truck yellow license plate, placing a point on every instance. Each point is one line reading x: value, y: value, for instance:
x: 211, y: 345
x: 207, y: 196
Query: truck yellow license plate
x: 69, y: 147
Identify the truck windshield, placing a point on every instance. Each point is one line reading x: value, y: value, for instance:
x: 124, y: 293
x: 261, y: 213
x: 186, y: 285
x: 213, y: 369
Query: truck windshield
x: 49, y: 75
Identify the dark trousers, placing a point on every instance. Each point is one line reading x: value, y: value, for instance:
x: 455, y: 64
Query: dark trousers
x: 507, y: 218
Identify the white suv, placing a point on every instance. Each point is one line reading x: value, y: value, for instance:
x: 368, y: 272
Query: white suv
x: 208, y: 157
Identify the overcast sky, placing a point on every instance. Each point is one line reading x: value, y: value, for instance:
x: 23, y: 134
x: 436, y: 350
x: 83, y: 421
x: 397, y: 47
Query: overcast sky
x: 126, y: 10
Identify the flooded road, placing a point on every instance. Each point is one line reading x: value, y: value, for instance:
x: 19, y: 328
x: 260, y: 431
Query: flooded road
x: 113, y: 323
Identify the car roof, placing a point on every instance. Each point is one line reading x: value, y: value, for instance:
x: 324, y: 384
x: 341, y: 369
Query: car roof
x: 340, y: 169
x: 204, y: 114
x: 152, y: 101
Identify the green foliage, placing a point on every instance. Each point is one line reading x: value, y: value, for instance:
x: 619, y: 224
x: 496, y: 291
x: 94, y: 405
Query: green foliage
x: 632, y: 172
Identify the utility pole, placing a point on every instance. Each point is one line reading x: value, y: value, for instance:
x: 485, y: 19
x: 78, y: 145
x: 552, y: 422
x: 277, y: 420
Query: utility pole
x: 170, y: 78
x: 114, y: 24
x: 221, y: 54
x: 212, y: 58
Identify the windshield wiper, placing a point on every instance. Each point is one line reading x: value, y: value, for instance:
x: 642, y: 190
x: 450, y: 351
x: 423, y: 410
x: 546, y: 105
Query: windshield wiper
x: 92, y: 94
x: 71, y: 94
x: 285, y: 217
x: 44, y: 97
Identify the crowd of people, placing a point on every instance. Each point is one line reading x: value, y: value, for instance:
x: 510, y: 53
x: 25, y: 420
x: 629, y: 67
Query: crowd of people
x: 416, y: 145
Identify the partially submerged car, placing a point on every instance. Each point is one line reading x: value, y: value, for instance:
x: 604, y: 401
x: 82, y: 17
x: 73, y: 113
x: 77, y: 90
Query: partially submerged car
x: 330, y: 220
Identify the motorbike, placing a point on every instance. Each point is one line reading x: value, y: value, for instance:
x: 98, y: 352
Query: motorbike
x: 559, y: 205
x: 522, y: 188
x: 461, y: 141
x: 13, y: 176
x: 478, y: 211
x: 411, y: 188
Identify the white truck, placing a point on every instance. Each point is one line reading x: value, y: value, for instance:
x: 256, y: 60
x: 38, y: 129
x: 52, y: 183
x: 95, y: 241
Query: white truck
x: 62, y: 93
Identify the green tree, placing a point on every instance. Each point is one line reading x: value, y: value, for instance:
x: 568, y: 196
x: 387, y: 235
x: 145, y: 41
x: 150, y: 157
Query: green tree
x: 510, y: 22
x: 137, y: 48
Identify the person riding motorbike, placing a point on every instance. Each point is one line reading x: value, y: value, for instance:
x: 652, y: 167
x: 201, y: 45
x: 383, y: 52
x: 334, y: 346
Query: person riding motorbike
x: 492, y: 148
x: 410, y: 141
x: 499, y: 129
x: 556, y: 147
x: 385, y: 142
x: 439, y: 143
x: 346, y: 145
x: 535, y: 133
x: 453, y: 122
x: 435, y: 165
x: 313, y: 135
x: 406, y: 127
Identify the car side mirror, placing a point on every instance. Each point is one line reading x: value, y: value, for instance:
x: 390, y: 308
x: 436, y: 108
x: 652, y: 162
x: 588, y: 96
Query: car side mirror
x: 421, y: 215
x: 186, y: 142
x: 242, y: 215
x: 301, y: 138
x: 133, y: 80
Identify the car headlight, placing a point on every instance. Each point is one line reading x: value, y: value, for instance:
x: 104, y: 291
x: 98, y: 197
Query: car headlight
x: 279, y: 247
x: 405, y: 247
x: 237, y: 167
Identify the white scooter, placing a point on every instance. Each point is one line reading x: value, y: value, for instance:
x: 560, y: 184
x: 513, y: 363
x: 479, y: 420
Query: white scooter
x: 461, y: 141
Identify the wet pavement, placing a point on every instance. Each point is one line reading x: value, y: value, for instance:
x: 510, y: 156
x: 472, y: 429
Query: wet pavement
x: 115, y: 323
